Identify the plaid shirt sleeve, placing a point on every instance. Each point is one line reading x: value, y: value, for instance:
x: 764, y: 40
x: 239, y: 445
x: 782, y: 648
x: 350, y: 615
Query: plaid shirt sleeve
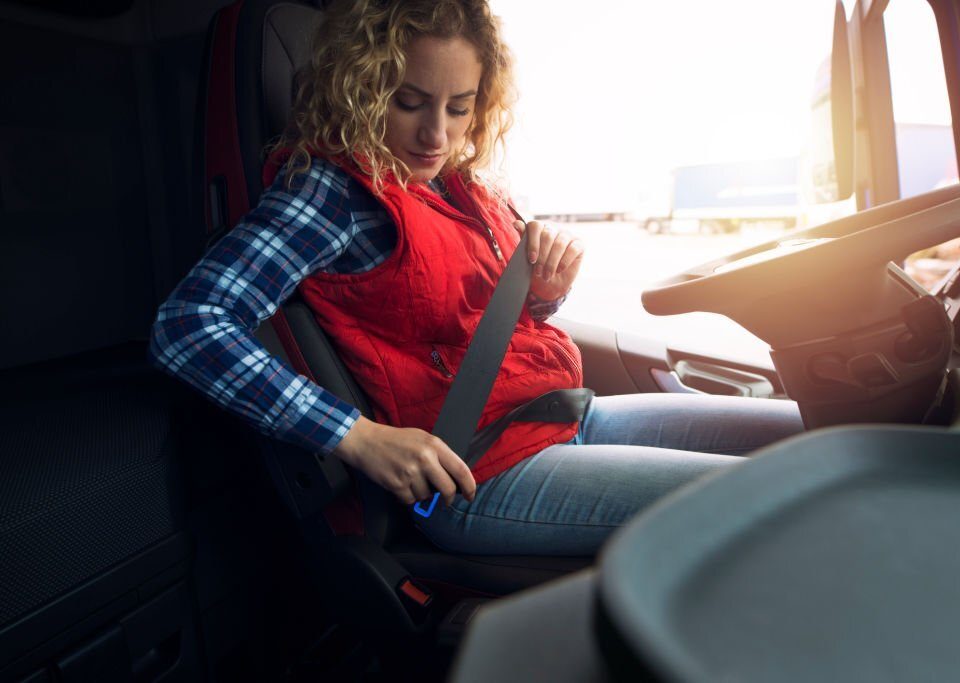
x: 204, y: 331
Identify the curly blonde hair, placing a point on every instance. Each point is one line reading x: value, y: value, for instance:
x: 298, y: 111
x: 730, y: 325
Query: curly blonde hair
x: 357, y: 65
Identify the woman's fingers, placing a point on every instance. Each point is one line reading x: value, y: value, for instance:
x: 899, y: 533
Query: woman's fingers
x: 552, y: 253
x: 542, y: 242
x: 456, y: 470
x: 410, y: 463
x: 420, y: 488
x: 559, y: 248
x: 532, y: 240
x: 539, y: 244
x: 437, y: 480
x: 407, y: 497
x: 535, y: 231
x: 571, y: 255
x: 440, y: 469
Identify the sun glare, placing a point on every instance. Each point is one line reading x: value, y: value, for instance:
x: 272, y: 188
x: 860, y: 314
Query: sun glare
x: 612, y: 100
x: 627, y: 108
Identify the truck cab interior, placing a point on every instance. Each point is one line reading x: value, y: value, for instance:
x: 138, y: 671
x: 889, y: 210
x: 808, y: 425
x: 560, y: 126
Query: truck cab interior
x: 146, y: 536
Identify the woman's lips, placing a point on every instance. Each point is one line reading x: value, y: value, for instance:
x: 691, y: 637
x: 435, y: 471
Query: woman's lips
x: 427, y: 158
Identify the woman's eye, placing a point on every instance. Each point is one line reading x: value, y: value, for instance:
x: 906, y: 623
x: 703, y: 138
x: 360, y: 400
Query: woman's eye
x: 406, y: 106
x: 458, y: 112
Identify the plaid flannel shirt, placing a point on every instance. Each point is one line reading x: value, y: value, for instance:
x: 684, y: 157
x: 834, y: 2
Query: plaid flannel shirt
x: 204, y: 330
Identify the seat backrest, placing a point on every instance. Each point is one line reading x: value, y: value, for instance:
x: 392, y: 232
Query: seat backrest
x: 254, y: 44
x: 256, y: 50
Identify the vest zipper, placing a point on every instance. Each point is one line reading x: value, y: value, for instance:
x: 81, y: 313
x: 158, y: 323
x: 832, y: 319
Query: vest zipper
x: 443, y: 208
x: 494, y: 243
x: 438, y: 362
x: 493, y: 239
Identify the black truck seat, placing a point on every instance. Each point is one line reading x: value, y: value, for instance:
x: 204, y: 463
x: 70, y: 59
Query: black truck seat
x: 258, y: 45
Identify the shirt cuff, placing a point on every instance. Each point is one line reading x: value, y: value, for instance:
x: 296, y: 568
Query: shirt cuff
x: 316, y: 419
x: 541, y: 309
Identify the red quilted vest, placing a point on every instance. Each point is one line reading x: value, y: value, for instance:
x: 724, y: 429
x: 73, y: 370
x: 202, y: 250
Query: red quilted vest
x: 403, y: 327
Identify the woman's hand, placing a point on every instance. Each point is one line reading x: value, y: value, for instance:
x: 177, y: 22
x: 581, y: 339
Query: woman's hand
x: 556, y: 256
x: 410, y: 463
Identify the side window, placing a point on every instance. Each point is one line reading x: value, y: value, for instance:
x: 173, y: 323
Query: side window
x: 926, y: 154
x: 926, y: 157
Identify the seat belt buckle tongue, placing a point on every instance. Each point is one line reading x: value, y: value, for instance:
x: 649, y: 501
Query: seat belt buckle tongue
x: 426, y: 512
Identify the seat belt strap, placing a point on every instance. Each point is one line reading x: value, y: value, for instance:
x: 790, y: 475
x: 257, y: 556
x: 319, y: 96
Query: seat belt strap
x: 471, y: 387
x: 560, y: 405
x: 464, y: 404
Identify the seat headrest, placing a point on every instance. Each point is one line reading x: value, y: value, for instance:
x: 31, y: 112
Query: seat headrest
x: 288, y: 31
x: 273, y: 41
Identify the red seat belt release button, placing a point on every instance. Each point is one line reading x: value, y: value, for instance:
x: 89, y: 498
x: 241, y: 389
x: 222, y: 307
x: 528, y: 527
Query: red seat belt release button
x: 419, y: 596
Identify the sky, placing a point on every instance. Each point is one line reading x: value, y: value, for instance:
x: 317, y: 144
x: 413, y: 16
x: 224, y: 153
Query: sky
x: 616, y: 93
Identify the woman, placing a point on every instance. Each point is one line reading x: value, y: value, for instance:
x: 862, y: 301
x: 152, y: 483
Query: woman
x: 376, y: 212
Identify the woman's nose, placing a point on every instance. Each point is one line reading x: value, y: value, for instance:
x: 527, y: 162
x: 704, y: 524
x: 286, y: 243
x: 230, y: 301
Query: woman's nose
x: 433, y: 134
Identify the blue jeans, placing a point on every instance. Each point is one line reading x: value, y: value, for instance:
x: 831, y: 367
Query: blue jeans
x: 629, y: 451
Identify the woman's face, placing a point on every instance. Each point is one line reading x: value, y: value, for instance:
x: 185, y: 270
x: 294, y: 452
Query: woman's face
x: 430, y: 113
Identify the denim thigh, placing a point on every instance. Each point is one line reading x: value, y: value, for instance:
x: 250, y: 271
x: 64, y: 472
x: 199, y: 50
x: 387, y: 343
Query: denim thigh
x: 629, y: 452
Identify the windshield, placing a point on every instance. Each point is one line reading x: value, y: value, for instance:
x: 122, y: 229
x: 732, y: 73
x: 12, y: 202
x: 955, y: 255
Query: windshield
x: 663, y: 143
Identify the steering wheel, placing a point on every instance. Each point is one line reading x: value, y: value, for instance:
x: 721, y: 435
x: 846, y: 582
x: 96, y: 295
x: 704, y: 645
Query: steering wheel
x: 837, y: 272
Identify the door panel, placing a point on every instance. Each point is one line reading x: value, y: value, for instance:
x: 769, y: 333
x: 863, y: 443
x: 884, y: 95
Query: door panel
x: 617, y: 363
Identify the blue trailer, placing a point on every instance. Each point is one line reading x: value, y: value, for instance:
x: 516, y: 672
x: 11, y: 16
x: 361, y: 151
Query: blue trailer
x: 723, y: 197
